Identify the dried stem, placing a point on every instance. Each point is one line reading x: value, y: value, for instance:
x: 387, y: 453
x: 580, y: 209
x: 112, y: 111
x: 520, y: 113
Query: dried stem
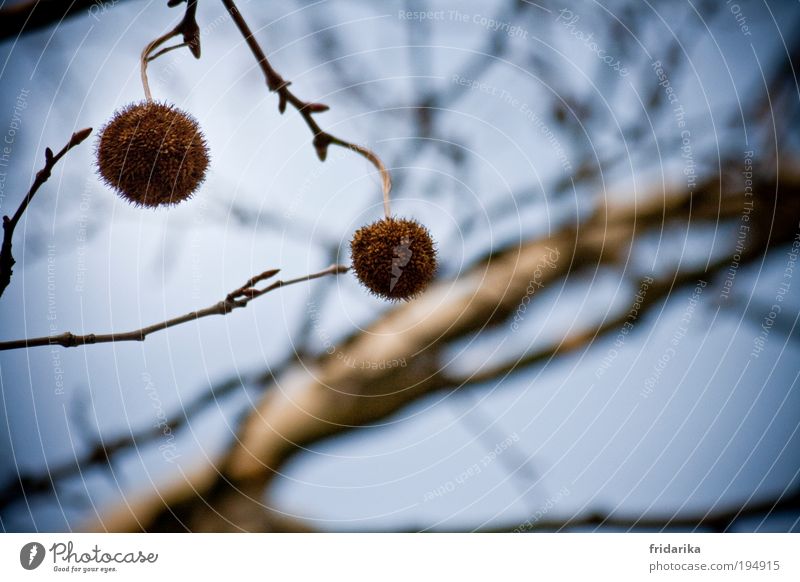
x: 9, y: 224
x: 146, y: 58
x: 322, y: 139
x: 234, y: 300
x: 190, y: 31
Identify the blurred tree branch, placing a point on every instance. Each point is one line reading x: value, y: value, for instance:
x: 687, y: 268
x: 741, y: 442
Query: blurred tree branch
x: 318, y: 396
x: 32, y: 15
x: 324, y: 396
x: 717, y: 521
x: 102, y: 454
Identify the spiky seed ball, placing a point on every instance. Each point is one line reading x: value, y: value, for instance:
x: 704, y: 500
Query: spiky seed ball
x: 394, y: 258
x: 152, y: 154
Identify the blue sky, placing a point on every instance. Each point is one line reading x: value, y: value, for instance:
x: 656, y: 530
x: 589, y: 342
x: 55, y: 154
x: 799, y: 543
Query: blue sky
x: 718, y: 429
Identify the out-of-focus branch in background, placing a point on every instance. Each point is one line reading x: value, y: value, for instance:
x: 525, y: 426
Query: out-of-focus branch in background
x: 324, y: 396
x: 25, y: 17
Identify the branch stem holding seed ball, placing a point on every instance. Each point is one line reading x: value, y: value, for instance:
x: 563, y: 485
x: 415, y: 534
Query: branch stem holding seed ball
x: 386, y: 177
x: 279, y: 85
x: 191, y: 38
x: 146, y: 58
x: 394, y: 258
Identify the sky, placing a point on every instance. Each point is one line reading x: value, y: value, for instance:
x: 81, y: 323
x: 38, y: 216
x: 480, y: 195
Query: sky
x: 718, y: 427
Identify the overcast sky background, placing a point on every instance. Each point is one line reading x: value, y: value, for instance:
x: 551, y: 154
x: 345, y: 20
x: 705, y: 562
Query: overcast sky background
x: 719, y: 429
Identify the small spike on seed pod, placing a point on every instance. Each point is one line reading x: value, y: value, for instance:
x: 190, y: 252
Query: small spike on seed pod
x: 395, y: 258
x: 152, y: 154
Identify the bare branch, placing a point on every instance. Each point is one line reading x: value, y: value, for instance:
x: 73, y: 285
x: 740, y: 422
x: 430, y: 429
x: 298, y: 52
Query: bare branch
x: 190, y: 31
x: 9, y: 224
x: 236, y: 299
x: 102, y: 454
x: 322, y: 139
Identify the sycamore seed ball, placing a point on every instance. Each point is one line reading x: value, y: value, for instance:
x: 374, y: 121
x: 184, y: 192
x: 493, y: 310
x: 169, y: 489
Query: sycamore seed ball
x: 152, y: 154
x: 395, y: 258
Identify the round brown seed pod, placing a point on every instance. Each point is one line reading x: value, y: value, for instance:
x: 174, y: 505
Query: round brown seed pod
x: 394, y: 258
x: 152, y: 154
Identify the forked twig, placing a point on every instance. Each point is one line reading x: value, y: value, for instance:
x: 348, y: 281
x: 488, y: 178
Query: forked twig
x: 190, y: 31
x: 322, y: 139
x: 234, y: 300
x: 9, y: 224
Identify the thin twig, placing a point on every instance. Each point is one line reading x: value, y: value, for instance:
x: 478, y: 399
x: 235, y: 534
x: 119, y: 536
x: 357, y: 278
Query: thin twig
x: 234, y: 300
x: 322, y: 139
x: 9, y: 224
